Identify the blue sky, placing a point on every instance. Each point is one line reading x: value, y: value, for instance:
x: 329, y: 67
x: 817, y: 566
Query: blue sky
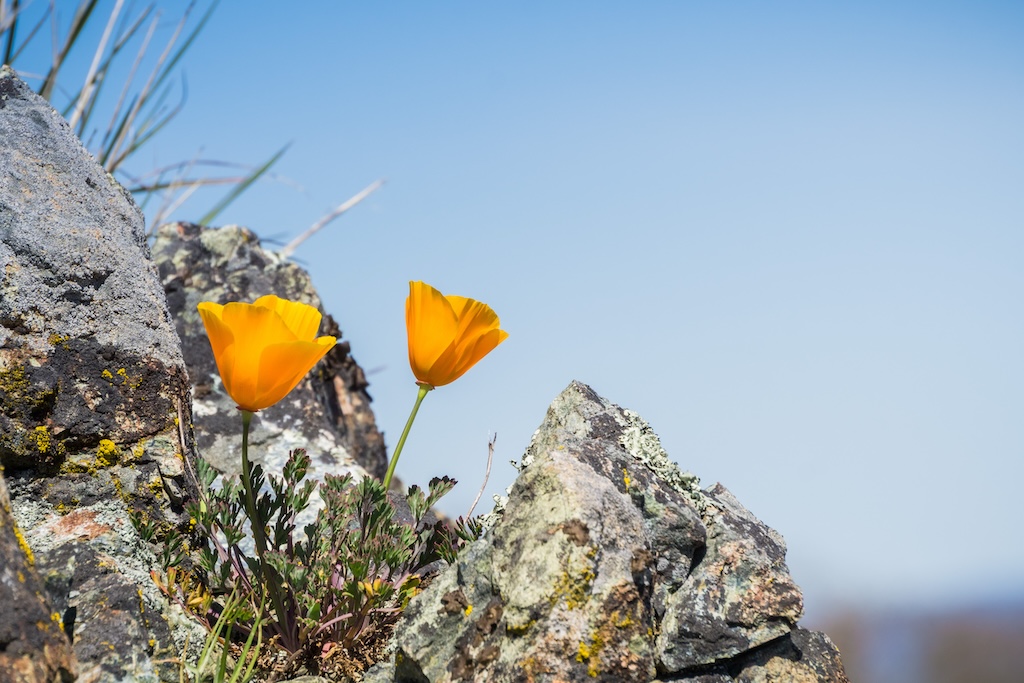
x: 787, y: 234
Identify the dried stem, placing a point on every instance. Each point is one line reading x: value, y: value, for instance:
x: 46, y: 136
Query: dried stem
x: 487, y: 474
x: 323, y: 222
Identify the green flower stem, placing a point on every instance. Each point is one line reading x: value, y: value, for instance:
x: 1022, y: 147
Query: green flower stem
x: 424, y: 388
x: 250, y: 496
x: 258, y: 525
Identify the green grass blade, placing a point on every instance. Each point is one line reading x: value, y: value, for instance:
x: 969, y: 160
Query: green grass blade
x: 28, y: 39
x: 241, y: 187
x: 186, y: 45
x: 10, y: 31
x: 118, y: 132
x: 151, y: 126
x: 78, y: 22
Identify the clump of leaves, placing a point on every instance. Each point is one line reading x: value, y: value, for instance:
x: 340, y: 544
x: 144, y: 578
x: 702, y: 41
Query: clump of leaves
x: 333, y: 590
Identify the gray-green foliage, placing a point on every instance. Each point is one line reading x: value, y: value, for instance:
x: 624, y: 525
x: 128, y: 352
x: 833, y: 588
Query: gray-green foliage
x: 344, y: 578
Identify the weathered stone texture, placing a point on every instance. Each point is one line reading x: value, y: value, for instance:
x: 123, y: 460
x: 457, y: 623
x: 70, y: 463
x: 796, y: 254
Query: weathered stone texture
x: 328, y: 413
x: 610, y: 564
x: 33, y: 647
x: 94, y: 394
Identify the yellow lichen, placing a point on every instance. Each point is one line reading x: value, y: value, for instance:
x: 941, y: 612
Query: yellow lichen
x: 107, y: 375
x: 23, y: 544
x: 575, y: 582
x: 58, y: 340
x: 14, y: 383
x: 625, y: 478
x: 106, y: 453
x: 128, y: 380
x: 156, y: 485
x: 519, y: 629
x: 468, y: 610
x: 42, y: 439
x: 588, y: 652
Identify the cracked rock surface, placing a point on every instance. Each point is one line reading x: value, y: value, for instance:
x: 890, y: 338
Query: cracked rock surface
x: 608, y: 563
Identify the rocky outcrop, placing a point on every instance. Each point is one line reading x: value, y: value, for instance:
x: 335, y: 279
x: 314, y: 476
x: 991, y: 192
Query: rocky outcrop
x: 33, y: 647
x: 610, y: 564
x: 94, y: 397
x: 607, y: 563
x: 328, y: 413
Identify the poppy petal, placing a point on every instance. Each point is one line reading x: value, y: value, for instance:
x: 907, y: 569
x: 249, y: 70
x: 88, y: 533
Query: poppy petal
x: 442, y: 349
x: 263, y: 350
x: 288, y: 364
x: 301, y: 319
x: 431, y: 324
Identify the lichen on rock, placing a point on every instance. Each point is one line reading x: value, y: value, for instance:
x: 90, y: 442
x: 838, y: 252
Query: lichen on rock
x: 609, y: 564
x: 90, y: 373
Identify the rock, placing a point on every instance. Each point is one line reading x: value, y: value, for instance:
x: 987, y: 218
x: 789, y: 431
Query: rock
x: 328, y: 413
x: 608, y: 563
x: 94, y: 392
x: 801, y: 657
x: 33, y: 647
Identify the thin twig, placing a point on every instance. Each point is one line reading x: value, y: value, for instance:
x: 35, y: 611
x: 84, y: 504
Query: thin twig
x: 169, y: 198
x: 322, y: 223
x: 168, y: 210
x: 487, y: 474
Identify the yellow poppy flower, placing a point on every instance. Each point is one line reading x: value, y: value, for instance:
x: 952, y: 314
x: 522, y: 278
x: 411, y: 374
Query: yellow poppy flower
x: 447, y: 334
x: 263, y: 349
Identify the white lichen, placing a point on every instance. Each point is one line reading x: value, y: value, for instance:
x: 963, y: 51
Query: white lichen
x: 641, y: 442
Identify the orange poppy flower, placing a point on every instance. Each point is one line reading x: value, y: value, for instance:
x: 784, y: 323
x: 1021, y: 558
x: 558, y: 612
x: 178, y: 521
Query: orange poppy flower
x: 447, y: 334
x: 263, y: 349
